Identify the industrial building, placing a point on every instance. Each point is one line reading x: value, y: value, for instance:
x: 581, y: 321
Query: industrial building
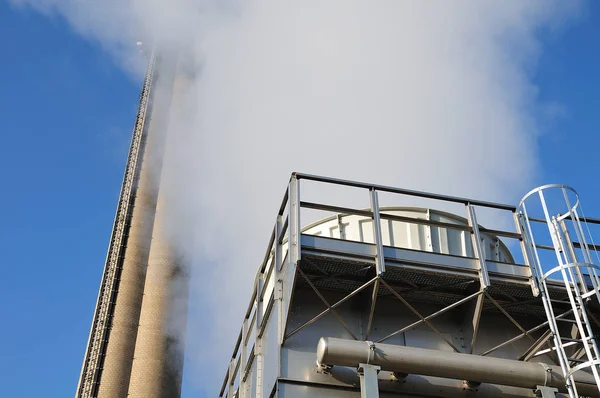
x: 415, y: 302
x: 381, y: 301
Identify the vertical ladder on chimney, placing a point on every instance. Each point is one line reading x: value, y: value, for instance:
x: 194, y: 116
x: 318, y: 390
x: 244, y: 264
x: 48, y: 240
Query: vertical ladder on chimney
x: 96, y: 347
x: 575, y: 267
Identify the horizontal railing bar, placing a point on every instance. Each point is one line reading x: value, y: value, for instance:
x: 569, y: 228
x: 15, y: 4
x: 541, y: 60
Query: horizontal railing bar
x: 237, y: 345
x: 265, y: 318
x: 401, y: 191
x: 336, y: 209
x: 250, y: 328
x: 582, y: 219
x: 497, y: 232
x: 284, y: 228
x: 236, y: 369
x: 224, y: 385
x: 535, y: 219
x: 269, y: 250
x: 284, y: 203
x: 586, y: 219
x: 267, y: 276
x: 386, y: 216
x: 545, y: 247
x: 249, y: 364
x: 249, y: 310
x: 578, y: 245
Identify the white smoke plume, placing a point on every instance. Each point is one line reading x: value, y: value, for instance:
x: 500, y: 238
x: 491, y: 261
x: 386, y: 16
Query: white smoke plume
x: 425, y: 95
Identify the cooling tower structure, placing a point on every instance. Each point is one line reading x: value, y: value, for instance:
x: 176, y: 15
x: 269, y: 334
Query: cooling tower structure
x: 132, y: 350
x: 418, y: 302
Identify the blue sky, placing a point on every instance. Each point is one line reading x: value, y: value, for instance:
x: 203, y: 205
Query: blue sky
x: 65, y: 122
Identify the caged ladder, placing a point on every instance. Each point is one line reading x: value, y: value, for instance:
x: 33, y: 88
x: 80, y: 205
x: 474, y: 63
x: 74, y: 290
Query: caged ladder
x: 576, y: 348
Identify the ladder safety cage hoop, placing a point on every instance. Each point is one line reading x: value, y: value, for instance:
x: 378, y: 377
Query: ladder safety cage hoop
x: 568, y: 266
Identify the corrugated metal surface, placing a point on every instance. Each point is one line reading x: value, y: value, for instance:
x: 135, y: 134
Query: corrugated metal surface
x: 410, y: 235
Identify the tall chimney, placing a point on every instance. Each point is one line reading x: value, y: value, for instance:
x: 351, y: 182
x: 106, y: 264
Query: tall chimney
x: 158, y: 358
x: 130, y: 331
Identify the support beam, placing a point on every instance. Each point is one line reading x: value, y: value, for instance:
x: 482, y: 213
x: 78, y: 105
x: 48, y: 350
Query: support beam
x: 374, y: 295
x: 545, y: 392
x: 526, y: 333
x: 325, y: 312
x: 324, y: 300
x: 471, y: 323
x: 369, y: 387
x: 536, y: 346
x: 429, y: 317
x: 506, y: 314
x: 421, y: 317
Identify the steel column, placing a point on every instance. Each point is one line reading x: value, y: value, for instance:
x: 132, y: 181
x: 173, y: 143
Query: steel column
x: 369, y: 387
x: 294, y: 217
x: 477, y: 247
x: 379, y: 260
x: 546, y: 392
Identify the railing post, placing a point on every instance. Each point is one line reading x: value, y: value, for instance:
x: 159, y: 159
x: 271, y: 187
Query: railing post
x: 379, y: 259
x: 278, y: 289
x: 529, y: 251
x: 294, y: 217
x: 258, y: 342
x: 243, y: 358
x: 477, y: 247
x: 428, y: 233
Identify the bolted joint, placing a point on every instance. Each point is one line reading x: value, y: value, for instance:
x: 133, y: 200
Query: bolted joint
x: 363, y: 367
x: 324, y: 369
x: 471, y: 385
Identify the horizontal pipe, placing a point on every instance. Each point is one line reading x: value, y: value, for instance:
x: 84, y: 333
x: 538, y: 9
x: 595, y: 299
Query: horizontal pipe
x: 420, y: 361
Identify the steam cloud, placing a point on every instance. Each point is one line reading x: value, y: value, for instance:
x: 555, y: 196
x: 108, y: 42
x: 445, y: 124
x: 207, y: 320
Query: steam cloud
x: 433, y: 96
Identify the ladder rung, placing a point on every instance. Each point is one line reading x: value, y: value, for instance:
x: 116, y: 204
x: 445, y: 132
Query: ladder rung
x: 571, y: 340
x: 575, y: 360
x: 561, y: 301
x: 566, y: 320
